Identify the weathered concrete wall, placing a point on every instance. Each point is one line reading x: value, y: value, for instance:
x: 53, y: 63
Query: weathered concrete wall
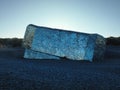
x: 72, y: 45
x: 38, y: 55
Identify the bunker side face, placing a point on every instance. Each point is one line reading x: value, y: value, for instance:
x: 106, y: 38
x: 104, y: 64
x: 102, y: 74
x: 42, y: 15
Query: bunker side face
x: 29, y: 35
x: 100, y: 46
x: 72, y: 45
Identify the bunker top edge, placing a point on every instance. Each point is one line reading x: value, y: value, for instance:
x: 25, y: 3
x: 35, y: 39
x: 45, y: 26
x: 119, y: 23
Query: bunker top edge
x: 64, y: 30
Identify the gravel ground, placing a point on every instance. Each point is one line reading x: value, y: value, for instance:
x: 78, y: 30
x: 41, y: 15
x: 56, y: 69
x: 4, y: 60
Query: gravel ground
x: 17, y: 73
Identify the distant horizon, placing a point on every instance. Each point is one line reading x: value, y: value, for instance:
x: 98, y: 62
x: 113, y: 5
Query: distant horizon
x: 56, y: 28
x: 87, y: 16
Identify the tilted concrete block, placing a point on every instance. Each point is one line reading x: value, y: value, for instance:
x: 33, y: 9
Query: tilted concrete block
x: 69, y: 44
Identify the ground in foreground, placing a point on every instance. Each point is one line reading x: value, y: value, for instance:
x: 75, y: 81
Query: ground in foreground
x: 17, y: 73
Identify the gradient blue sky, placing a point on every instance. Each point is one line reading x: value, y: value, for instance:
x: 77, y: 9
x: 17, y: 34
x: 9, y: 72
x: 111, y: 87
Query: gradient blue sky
x: 91, y: 16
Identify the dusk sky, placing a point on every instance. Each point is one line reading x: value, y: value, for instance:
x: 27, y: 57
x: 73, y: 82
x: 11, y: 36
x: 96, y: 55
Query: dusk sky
x: 89, y: 16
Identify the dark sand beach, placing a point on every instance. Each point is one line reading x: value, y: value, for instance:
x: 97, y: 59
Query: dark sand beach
x: 17, y: 73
